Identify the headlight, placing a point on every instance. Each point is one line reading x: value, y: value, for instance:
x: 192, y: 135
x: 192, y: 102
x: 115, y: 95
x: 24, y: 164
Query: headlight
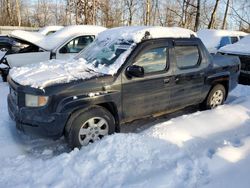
x: 35, y: 101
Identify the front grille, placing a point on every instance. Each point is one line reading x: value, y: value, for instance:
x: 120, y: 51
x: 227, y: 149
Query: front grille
x: 13, y: 95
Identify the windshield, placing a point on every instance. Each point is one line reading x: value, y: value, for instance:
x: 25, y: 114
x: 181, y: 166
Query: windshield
x: 104, y: 52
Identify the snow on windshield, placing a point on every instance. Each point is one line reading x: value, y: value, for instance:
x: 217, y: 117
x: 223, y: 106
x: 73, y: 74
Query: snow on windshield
x: 106, y: 56
x: 241, y: 47
x: 51, y: 72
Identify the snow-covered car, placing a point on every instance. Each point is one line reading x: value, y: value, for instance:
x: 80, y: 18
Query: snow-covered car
x: 127, y: 73
x: 62, y: 44
x: 10, y: 43
x: 47, y: 30
x: 215, y: 39
x: 240, y: 49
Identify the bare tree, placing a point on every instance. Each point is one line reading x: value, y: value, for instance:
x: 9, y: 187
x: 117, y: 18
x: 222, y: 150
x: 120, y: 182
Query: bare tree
x: 213, y: 16
x: 197, y: 18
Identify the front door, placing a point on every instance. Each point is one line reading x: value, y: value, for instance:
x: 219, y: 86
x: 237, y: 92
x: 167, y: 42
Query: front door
x: 151, y: 93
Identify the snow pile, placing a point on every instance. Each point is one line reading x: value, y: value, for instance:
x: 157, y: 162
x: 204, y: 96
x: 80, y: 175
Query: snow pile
x: 241, y: 47
x: 211, y: 38
x: 52, y: 72
x: 47, y: 29
x: 137, y: 33
x: 202, y: 149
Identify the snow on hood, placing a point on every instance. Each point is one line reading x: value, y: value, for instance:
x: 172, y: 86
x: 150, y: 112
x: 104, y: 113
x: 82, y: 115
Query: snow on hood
x: 47, y: 29
x: 242, y: 47
x: 56, y: 39
x: 137, y: 33
x: 211, y: 38
x: 52, y: 72
x: 31, y: 37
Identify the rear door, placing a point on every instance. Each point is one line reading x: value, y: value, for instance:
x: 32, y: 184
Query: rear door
x: 151, y: 93
x: 189, y: 74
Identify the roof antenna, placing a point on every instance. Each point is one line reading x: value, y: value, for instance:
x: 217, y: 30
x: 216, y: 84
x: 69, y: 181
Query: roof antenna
x: 146, y: 36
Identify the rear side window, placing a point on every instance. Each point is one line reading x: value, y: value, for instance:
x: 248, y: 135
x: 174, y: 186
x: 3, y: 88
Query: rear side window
x: 234, y: 40
x: 187, y: 56
x: 153, y: 60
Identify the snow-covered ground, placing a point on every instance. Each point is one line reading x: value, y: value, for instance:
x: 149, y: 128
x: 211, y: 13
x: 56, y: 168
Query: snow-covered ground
x: 201, y: 149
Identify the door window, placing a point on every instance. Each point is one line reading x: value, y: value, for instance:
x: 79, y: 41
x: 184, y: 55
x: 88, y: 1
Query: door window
x: 187, y: 56
x: 152, y: 60
x: 77, y: 44
x: 234, y: 40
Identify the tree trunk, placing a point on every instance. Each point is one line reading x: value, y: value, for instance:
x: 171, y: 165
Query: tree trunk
x: 18, y: 13
x: 148, y: 12
x: 197, y: 18
x: 212, y: 20
x: 225, y: 16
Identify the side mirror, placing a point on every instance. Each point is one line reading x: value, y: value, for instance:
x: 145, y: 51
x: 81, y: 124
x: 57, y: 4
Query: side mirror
x: 135, y: 71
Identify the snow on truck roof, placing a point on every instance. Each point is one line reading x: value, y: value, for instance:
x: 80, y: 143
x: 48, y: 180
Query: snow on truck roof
x: 212, y: 37
x: 137, y: 33
x: 52, y: 41
x: 51, y: 72
x: 239, y: 48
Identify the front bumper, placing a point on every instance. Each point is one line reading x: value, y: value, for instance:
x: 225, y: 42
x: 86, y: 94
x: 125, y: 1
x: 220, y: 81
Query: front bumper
x: 37, y: 121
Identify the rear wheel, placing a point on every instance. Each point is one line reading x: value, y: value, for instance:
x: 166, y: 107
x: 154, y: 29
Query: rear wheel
x: 89, y: 126
x: 215, y: 97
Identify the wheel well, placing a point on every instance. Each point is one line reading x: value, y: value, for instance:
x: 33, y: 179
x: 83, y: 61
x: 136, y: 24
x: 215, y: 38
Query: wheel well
x: 224, y: 83
x: 111, y: 107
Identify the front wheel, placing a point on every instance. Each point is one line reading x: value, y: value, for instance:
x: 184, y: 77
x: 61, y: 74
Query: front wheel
x: 215, y: 97
x: 89, y: 126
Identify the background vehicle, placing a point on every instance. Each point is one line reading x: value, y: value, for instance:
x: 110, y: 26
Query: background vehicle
x: 62, y: 44
x: 125, y: 74
x: 240, y: 49
x: 215, y: 39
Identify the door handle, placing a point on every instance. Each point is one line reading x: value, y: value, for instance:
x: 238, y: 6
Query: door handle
x: 166, y: 80
x: 177, y: 79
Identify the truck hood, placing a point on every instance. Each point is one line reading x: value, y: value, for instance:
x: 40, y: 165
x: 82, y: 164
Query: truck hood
x: 52, y: 72
x: 34, y: 38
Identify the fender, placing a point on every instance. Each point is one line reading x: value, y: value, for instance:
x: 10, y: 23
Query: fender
x: 71, y: 104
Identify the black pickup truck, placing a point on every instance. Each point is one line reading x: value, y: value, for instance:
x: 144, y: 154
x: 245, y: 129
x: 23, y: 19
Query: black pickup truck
x: 156, y: 76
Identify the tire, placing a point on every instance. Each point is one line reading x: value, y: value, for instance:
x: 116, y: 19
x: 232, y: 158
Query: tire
x: 88, y: 126
x: 215, y: 97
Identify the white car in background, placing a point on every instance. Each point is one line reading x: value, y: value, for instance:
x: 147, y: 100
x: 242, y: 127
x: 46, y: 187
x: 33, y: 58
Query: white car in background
x: 62, y: 44
x: 215, y: 39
